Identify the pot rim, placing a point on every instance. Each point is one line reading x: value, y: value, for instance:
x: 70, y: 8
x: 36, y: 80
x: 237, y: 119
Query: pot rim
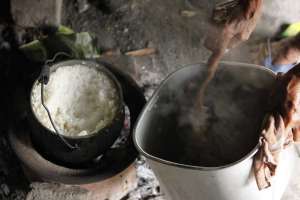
x: 91, y: 64
x: 153, y: 99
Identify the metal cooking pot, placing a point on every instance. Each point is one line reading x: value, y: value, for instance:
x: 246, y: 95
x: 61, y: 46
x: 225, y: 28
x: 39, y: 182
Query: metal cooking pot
x: 52, y: 147
x: 159, y: 137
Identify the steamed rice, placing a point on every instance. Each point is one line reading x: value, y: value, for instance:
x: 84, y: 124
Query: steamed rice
x: 81, y: 100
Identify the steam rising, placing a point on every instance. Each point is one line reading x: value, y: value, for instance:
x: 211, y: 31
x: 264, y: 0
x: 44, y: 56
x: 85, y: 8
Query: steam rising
x: 228, y: 126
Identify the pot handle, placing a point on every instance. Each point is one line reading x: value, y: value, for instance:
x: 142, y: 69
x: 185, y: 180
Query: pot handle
x: 43, y: 80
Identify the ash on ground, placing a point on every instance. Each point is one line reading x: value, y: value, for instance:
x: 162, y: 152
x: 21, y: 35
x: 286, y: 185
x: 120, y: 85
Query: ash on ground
x: 148, y: 186
x: 122, y: 26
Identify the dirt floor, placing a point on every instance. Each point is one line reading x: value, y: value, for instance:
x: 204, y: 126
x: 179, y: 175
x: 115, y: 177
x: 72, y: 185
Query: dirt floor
x: 174, y: 28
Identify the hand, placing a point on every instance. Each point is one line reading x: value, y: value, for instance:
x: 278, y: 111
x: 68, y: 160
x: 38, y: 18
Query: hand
x: 288, y: 95
x: 232, y: 23
x: 282, y: 127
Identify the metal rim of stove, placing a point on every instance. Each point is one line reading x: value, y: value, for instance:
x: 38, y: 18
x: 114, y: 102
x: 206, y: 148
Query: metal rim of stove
x: 33, y: 161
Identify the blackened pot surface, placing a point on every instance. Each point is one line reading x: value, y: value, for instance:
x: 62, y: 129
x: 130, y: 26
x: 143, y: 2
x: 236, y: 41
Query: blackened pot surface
x: 90, y: 146
x: 113, y: 161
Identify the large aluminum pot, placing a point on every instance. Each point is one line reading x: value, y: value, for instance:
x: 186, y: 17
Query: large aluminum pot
x: 168, y: 148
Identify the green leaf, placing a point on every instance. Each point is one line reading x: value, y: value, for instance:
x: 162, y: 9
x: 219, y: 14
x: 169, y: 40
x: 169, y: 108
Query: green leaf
x: 292, y: 30
x: 35, y: 50
x: 64, y: 30
x: 85, y: 45
x: 77, y: 45
x: 61, y: 43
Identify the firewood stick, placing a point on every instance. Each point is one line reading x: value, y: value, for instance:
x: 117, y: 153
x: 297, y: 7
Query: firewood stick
x: 141, y: 52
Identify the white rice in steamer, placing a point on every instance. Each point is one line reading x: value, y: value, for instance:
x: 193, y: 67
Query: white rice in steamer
x: 81, y: 100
